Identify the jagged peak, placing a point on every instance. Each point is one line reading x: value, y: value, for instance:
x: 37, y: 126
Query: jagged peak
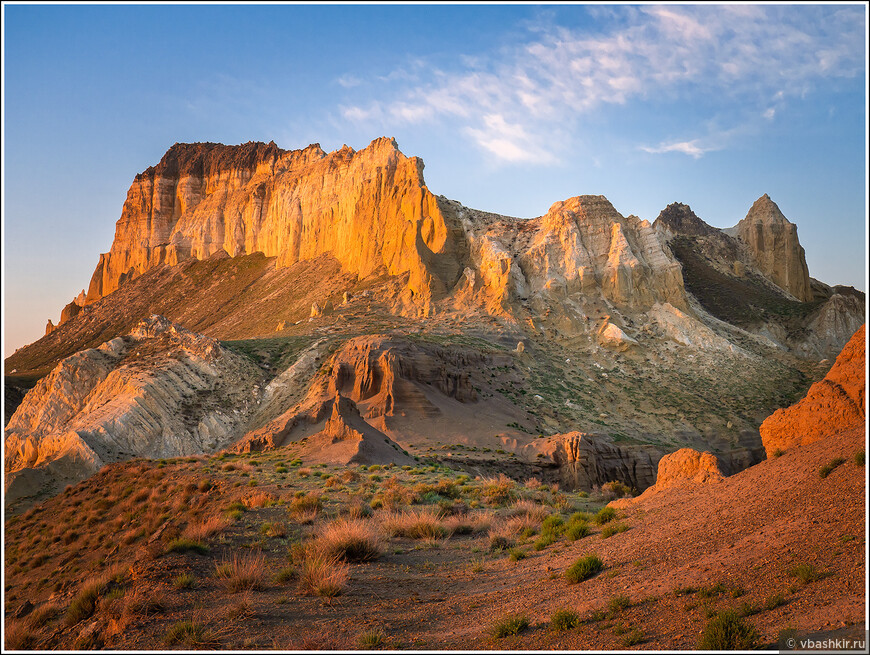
x: 680, y: 219
x: 765, y: 210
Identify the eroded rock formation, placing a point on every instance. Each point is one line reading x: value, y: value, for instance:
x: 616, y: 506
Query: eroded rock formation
x: 774, y: 245
x: 369, y: 209
x: 161, y: 391
x: 585, y: 461
x: 831, y: 405
x: 687, y: 465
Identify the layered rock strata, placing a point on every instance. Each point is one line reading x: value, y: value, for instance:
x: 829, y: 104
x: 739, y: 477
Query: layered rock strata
x: 160, y: 391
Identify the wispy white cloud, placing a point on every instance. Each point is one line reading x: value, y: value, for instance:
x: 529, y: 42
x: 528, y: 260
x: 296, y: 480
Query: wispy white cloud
x: 511, y: 104
x: 691, y: 148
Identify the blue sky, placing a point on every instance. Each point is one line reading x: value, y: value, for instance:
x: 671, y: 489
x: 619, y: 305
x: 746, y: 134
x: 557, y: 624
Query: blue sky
x: 511, y: 107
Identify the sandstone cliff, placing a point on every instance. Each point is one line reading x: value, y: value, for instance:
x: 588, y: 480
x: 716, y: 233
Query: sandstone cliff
x: 831, y: 406
x: 369, y: 209
x: 161, y: 391
x: 774, y: 245
x: 372, y: 211
x: 585, y: 461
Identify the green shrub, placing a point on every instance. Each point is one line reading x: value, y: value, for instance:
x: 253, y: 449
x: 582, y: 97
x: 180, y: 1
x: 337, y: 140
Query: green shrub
x: 564, y: 620
x: 728, y: 631
x: 806, y: 573
x: 183, y: 545
x: 372, y: 639
x: 516, y: 554
x: 634, y: 637
x: 543, y: 541
x: 510, y: 625
x: 618, y: 603
x: 612, y: 529
x: 711, y: 591
x: 184, y: 581
x: 85, y: 603
x: 859, y: 458
x: 552, y: 525
x: 825, y: 471
x: 189, y: 634
x: 583, y: 569
x: 577, y: 531
x: 605, y: 515
x: 286, y: 575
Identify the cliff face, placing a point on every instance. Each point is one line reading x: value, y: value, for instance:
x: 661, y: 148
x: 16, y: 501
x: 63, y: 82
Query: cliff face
x: 372, y: 211
x: 775, y: 248
x: 369, y: 209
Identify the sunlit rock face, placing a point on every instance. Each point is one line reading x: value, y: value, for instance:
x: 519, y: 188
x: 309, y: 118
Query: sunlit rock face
x: 369, y: 209
x: 831, y: 406
x: 775, y: 248
x: 372, y: 211
x: 161, y: 391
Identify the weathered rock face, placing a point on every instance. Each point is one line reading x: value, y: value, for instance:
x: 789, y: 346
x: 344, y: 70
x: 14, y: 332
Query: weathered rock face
x: 161, y: 391
x: 348, y: 439
x: 688, y: 465
x: 369, y: 209
x: 372, y: 211
x: 384, y: 377
x: 582, y: 246
x: 775, y: 248
x: 831, y: 406
x: 678, y: 218
x: 588, y: 460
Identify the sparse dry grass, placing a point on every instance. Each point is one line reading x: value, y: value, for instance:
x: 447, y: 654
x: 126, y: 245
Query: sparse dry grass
x: 202, y: 530
x: 352, y: 540
x: 323, y: 576
x: 422, y: 523
x: 242, y: 572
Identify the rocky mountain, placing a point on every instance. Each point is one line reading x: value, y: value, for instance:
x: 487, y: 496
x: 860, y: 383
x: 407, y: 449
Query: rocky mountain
x: 345, y: 306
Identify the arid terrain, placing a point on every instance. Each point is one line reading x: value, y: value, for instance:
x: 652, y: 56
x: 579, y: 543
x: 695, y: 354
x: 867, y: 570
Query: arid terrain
x: 305, y: 403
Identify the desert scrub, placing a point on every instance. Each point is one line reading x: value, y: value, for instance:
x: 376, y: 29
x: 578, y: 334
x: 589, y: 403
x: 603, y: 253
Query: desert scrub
x: 806, y: 573
x: 510, y: 625
x: 825, y: 471
x: 635, y: 636
x: 85, y: 603
x: 242, y: 572
x: 612, y: 529
x: 552, y: 526
x: 323, y: 576
x: 424, y: 523
x: 274, y: 530
x: 583, y: 569
x: 351, y: 540
x: 564, y: 620
x: 577, y: 531
x: 190, y: 634
x: 516, y: 554
x: 618, y: 603
x: 859, y: 458
x: 728, y: 631
x: 605, y: 515
x: 183, y: 545
x: 202, y: 530
x: 304, y: 507
x: 184, y: 581
x: 372, y: 639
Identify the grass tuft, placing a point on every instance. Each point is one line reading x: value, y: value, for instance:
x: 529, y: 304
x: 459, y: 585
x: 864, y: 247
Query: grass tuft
x: 510, y: 625
x: 583, y: 569
x: 728, y: 631
x: 564, y: 620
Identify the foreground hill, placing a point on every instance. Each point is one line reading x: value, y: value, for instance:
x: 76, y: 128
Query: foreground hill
x: 227, y: 552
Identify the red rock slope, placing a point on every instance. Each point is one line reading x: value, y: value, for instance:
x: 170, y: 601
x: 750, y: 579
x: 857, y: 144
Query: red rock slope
x: 831, y: 406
